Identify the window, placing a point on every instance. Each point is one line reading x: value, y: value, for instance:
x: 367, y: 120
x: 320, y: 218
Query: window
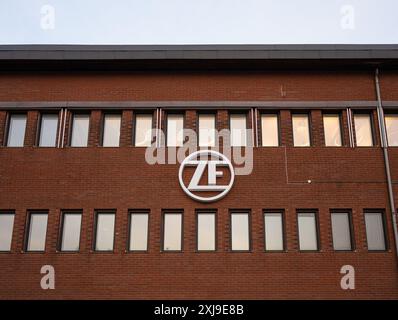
x: 143, y: 130
x: 37, y: 231
x: 105, y: 230
x: 238, y: 130
x: 374, y: 222
x: 70, y: 231
x: 48, y: 130
x: 363, y: 130
x: 240, y: 237
x: 16, y: 130
x: 301, y: 130
x: 392, y: 129
x: 307, y: 229
x: 175, y: 130
x: 273, y: 227
x: 172, y: 231
x: 341, y: 231
x: 270, y: 130
x: 6, y: 229
x: 206, y: 228
x: 139, y: 230
x: 331, y: 126
x: 207, y: 130
x: 111, y: 134
x: 80, y: 130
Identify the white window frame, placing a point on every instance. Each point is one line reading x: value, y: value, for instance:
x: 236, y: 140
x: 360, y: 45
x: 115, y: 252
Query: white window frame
x: 384, y: 230
x: 249, y: 244
x: 10, y: 128
x: 105, y: 142
x: 372, y: 136
x: 10, y: 232
x: 73, y: 132
x: 281, y: 215
x: 332, y: 115
x: 243, y: 137
x: 31, y: 214
x: 316, y: 226
x: 165, y: 232
x: 214, y: 215
x: 97, y: 214
x: 350, y: 229
x: 42, y: 119
x: 390, y: 115
x: 263, y: 134
x: 145, y: 143
x: 130, y: 239
x: 62, y: 233
x: 178, y: 139
x: 207, y: 131
x: 301, y: 115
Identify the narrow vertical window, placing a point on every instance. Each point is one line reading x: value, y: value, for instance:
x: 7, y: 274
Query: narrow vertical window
x: 238, y: 130
x: 6, y: 230
x: 375, y: 236
x: 307, y: 230
x: 70, y: 231
x: 301, y: 130
x: 363, y: 130
x: 138, y: 230
x: 273, y: 227
x: 392, y: 129
x: 48, y: 130
x: 341, y: 231
x: 105, y: 231
x: 240, y: 231
x: 206, y: 229
x: 207, y: 130
x: 16, y: 130
x: 175, y: 130
x: 111, y: 134
x: 332, y: 130
x: 80, y: 127
x: 143, y: 130
x: 270, y: 130
x: 172, y: 231
x: 37, y: 231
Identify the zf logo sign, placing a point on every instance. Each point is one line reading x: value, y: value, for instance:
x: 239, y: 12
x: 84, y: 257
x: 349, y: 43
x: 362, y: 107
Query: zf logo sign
x: 210, y: 160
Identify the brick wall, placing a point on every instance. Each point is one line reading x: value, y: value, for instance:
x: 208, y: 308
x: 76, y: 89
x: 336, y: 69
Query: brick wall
x: 119, y: 178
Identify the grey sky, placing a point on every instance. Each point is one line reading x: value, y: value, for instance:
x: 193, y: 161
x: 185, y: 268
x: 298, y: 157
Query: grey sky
x: 199, y: 21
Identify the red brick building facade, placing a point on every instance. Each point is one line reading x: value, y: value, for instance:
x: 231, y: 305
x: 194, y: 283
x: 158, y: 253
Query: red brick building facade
x: 286, y: 178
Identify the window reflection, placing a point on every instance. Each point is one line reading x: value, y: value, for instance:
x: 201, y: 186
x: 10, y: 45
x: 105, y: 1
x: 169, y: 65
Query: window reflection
x: 301, y: 130
x: 332, y: 130
x: 363, y: 130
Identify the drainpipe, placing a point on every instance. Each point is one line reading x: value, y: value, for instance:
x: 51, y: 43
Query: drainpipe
x: 64, y: 127
x: 256, y: 125
x: 61, y: 119
x: 253, y: 136
x: 384, y: 144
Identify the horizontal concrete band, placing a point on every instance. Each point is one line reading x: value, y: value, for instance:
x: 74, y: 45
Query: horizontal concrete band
x: 197, y: 52
x: 8, y: 105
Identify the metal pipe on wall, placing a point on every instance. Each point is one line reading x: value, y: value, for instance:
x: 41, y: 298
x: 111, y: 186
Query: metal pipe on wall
x: 61, y: 119
x: 350, y: 128
x: 384, y: 145
x: 252, y: 117
x: 64, y: 127
x: 157, y: 127
x: 256, y: 125
x: 160, y: 127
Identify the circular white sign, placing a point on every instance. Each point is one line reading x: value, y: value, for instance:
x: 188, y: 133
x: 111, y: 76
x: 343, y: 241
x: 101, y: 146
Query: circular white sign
x: 194, y: 160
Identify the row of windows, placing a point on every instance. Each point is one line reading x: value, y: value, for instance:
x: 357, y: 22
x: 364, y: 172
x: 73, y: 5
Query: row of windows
x: 207, y: 125
x: 206, y: 226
